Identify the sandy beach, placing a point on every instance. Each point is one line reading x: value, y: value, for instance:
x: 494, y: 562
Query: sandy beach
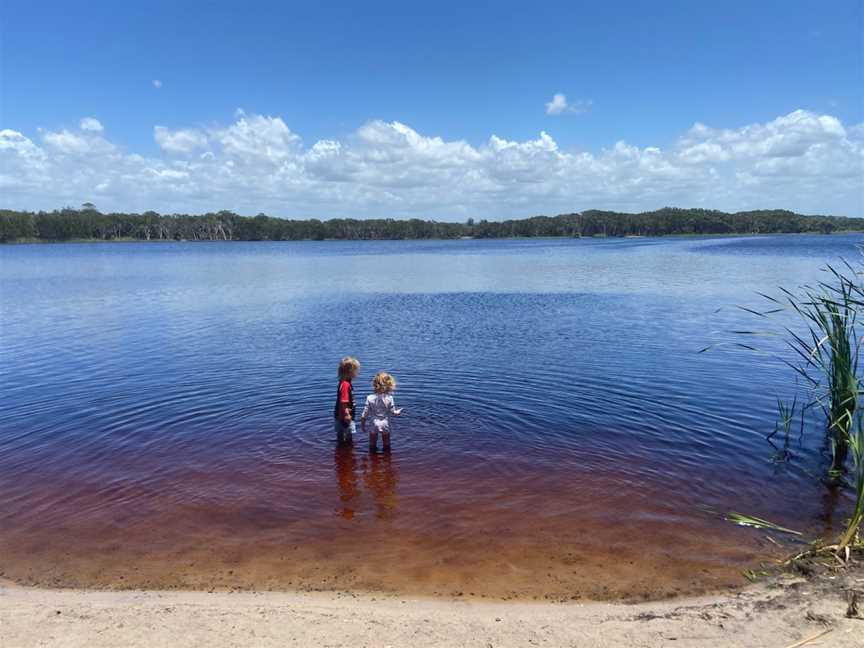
x: 777, y: 612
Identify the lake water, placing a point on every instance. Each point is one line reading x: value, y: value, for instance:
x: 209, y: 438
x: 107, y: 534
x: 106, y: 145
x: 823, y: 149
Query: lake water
x: 166, y: 415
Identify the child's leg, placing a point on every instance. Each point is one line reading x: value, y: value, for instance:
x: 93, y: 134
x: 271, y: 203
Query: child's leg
x: 373, y: 439
x: 385, y: 441
x: 344, y: 432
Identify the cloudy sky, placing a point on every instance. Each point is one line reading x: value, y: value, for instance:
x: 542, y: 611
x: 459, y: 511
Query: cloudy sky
x: 449, y: 111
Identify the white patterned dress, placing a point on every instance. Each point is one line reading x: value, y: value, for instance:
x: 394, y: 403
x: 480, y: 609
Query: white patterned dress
x: 379, y: 407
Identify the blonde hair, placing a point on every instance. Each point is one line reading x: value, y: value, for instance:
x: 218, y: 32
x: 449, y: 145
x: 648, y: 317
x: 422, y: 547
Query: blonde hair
x: 383, y: 383
x: 347, y: 367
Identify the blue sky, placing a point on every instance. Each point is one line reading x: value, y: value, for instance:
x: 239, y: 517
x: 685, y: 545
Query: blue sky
x: 641, y: 73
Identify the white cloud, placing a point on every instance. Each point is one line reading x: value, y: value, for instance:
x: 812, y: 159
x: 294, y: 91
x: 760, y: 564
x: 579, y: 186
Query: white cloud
x: 557, y: 106
x: 84, y: 143
x: 66, y: 142
x: 258, y: 137
x: 157, y: 83
x: 16, y: 143
x: 184, y: 140
x: 24, y: 164
x: 791, y: 135
x: 91, y: 124
x: 804, y: 161
x: 560, y: 106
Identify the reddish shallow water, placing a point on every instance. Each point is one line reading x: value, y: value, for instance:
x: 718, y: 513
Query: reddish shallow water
x: 165, y: 416
x: 378, y: 522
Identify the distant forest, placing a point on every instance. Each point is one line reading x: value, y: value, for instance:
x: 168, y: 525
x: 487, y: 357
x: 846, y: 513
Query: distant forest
x: 87, y: 223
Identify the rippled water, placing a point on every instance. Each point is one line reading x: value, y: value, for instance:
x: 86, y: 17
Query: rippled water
x: 165, y: 414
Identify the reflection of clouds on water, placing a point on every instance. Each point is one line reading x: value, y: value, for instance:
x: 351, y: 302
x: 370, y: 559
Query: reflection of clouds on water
x: 379, y: 479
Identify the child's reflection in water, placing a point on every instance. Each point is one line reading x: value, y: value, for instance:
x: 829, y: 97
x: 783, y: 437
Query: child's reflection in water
x: 346, y: 478
x: 379, y: 478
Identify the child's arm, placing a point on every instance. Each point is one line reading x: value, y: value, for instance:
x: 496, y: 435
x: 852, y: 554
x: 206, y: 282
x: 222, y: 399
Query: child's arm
x: 363, y: 416
x: 396, y: 411
x: 344, y: 412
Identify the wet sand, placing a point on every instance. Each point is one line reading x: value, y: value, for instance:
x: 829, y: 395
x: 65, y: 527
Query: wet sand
x: 511, y: 573
x: 775, y: 613
x: 561, y: 562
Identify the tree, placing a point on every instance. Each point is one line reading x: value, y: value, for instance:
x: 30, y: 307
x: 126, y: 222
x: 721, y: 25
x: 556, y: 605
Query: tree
x: 89, y: 223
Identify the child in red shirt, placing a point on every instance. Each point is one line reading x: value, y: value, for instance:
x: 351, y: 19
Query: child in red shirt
x: 343, y: 411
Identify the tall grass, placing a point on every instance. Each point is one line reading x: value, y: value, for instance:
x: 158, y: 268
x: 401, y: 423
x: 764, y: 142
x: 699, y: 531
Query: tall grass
x: 852, y: 535
x: 785, y: 416
x: 826, y: 352
x: 825, y: 358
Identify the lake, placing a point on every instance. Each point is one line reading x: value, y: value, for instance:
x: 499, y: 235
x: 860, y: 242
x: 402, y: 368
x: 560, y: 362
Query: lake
x: 166, y: 415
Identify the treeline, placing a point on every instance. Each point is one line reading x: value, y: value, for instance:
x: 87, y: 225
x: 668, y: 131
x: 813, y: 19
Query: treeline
x: 87, y: 223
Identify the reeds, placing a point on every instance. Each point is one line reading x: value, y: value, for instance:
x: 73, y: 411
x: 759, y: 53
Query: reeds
x: 825, y: 358
x: 758, y: 523
x: 785, y: 417
x: 852, y: 536
x: 825, y: 354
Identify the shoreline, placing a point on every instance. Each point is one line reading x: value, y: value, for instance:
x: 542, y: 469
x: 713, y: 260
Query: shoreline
x: 777, y: 611
x: 458, y: 238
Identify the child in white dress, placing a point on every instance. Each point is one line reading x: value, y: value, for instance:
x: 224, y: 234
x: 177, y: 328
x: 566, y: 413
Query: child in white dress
x: 379, y: 407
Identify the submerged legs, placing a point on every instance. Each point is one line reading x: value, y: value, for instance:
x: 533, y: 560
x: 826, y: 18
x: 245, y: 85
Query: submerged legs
x: 373, y: 441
